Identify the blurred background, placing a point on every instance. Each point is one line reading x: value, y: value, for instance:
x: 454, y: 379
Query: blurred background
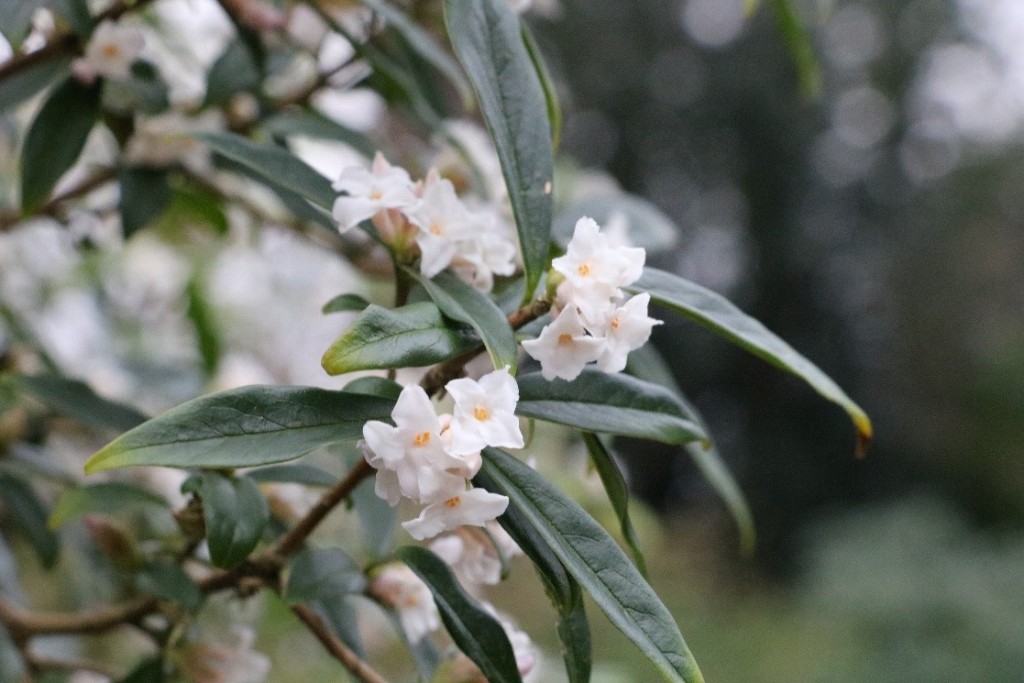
x: 870, y: 213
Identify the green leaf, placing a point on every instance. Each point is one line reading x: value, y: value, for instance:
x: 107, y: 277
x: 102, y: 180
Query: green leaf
x: 313, y: 124
x: 487, y: 38
x: 28, y: 513
x: 323, y: 575
x: 722, y: 317
x: 168, y: 581
x: 205, y: 322
x: 344, y: 303
x: 574, y: 632
x: 306, y: 475
x: 411, y: 336
x: 424, y: 45
x: 235, y: 512
x: 342, y: 617
x: 274, y: 165
x: 595, y: 560
x: 647, y: 226
x: 21, y: 85
x: 149, y: 671
x: 105, y: 498
x: 189, y: 209
x: 477, y: 633
x: 56, y: 138
x: 618, y: 494
x: 466, y: 304
x: 801, y: 47
x: 647, y: 364
x: 376, y: 386
x: 77, y: 400
x: 547, y: 83
x: 608, y: 403
x: 75, y: 13
x: 16, y: 20
x: 244, y: 427
x: 145, y: 193
x: 144, y: 91
x: 236, y: 70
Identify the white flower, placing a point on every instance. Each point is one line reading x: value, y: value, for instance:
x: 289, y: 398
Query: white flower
x: 476, y: 555
x: 232, y: 660
x: 488, y: 253
x: 520, y: 6
x: 563, y: 347
x: 368, y: 192
x: 168, y: 138
x: 411, y: 458
x: 111, y: 51
x: 473, y: 507
x: 398, y: 586
x: 626, y: 328
x: 484, y: 413
x: 594, y: 270
x: 442, y: 219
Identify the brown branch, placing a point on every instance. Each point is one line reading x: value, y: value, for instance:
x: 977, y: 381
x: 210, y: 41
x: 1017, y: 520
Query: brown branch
x: 22, y: 624
x: 338, y: 649
x: 51, y: 207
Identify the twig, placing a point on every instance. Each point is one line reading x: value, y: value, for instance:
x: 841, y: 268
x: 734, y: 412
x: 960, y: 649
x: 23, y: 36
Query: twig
x: 41, y: 662
x: 22, y: 625
x: 50, y: 208
x: 338, y: 649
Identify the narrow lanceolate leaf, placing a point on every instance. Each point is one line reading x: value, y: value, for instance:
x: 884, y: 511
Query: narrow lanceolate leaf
x: 56, y: 138
x: 423, y: 44
x: 344, y: 303
x: 244, y: 427
x: 411, y: 336
x: 323, y: 575
x: 595, y: 560
x: 307, y: 475
x: 801, y: 47
x: 487, y: 38
x: 477, y: 633
x: 106, y: 498
x: 28, y: 513
x: 274, y: 165
x: 646, y: 225
x: 612, y: 404
x: 145, y: 193
x: 618, y: 494
x: 235, y: 512
x: 548, y: 84
x: 466, y: 304
x: 647, y: 364
x: 77, y: 400
x: 722, y: 317
x: 311, y: 123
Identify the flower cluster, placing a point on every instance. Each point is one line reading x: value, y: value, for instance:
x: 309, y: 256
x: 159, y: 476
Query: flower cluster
x: 477, y: 244
x: 429, y: 458
x: 593, y: 321
x: 111, y: 51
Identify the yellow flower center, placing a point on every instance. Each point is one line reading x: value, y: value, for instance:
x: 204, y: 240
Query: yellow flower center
x: 615, y: 323
x: 453, y: 502
x: 481, y: 413
x: 110, y: 50
x: 436, y: 229
x: 421, y: 439
x: 564, y: 339
x: 584, y: 269
x: 376, y: 195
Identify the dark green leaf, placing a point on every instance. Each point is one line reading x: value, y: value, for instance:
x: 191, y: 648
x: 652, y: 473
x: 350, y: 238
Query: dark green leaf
x: 477, y: 633
x: 21, y: 85
x: 411, y: 336
x: 377, y: 386
x: 75, y: 13
x: 647, y: 226
x: 205, y: 322
x: 424, y: 45
x: 144, y: 91
x: 574, y: 632
x: 149, y: 671
x: 105, y: 498
x: 236, y: 70
x: 306, y: 475
x: 466, y: 304
x: 596, y: 561
x: 618, y: 494
x: 56, y: 138
x: 647, y: 364
x: 720, y: 316
x: 235, y: 513
x: 145, y: 193
x: 77, y: 400
x: 244, y: 427
x: 547, y: 83
x: 341, y: 616
x: 274, y: 165
x: 801, y: 48
x: 26, y: 510
x: 377, y: 520
x: 168, y: 581
x: 313, y: 124
x: 11, y: 665
x: 190, y: 208
x: 344, y: 303
x: 487, y: 38
x: 608, y: 403
x: 323, y: 575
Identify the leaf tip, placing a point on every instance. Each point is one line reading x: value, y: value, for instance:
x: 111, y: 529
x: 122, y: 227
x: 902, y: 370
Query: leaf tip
x: 865, y: 433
